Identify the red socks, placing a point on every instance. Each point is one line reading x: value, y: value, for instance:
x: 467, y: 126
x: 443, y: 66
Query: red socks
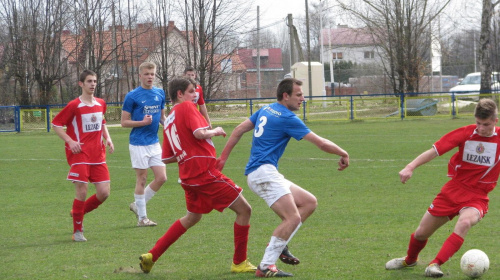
x: 240, y: 243
x: 449, y: 248
x: 414, y: 249
x: 173, y: 233
x: 78, y: 206
x: 91, y: 203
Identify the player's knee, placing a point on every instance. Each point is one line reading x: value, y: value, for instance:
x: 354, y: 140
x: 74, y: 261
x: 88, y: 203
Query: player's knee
x: 161, y: 179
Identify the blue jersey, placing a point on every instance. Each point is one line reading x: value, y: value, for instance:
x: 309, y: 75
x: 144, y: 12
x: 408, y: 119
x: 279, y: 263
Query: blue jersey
x: 140, y: 102
x: 274, y: 126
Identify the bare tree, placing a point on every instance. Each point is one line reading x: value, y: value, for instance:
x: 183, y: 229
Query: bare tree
x: 34, y: 47
x: 214, y: 24
x: 485, y: 44
x: 402, y: 30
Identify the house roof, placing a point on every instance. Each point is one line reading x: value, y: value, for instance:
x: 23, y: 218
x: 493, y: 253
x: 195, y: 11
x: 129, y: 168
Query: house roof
x: 143, y: 41
x: 248, y: 58
x: 344, y: 36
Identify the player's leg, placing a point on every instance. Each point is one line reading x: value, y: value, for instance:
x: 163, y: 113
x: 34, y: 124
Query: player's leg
x: 99, y: 175
x: 176, y: 230
x: 140, y: 199
x: 274, y: 189
x: 468, y: 218
x: 286, y: 209
x: 306, y: 202
x: 78, y: 210
x: 428, y: 225
x: 241, y: 229
x: 160, y: 177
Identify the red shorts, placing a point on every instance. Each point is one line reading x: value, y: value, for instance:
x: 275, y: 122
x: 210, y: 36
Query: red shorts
x: 453, y: 198
x: 94, y: 173
x: 214, y: 191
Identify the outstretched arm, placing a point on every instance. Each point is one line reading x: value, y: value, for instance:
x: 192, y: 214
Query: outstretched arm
x: 209, y: 133
x: 235, y: 137
x: 329, y: 147
x: 425, y: 157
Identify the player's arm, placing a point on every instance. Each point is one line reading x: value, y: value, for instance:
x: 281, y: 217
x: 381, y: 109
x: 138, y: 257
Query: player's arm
x: 204, y: 112
x: 406, y: 173
x: 126, y: 120
x: 329, y: 147
x: 107, y: 136
x: 209, y: 133
x: 235, y: 137
x: 74, y: 146
x: 163, y: 117
x: 169, y: 160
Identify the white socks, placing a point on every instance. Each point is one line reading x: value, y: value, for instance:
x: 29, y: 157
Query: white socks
x: 274, y: 249
x: 273, y: 252
x: 140, y: 202
x: 148, y: 193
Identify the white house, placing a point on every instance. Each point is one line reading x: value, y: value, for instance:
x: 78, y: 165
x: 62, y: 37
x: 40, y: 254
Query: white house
x: 349, y: 44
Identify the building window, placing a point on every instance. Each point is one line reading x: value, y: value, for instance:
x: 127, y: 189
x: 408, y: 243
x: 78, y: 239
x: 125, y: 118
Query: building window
x: 370, y: 55
x: 337, y: 55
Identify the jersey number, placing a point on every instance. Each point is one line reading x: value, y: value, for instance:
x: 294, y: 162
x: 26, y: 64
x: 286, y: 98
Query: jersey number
x: 260, y: 128
x: 173, y: 138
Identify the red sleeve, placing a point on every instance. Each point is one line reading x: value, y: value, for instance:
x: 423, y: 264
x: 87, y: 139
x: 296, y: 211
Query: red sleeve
x: 201, y: 100
x: 453, y: 139
x: 195, y: 120
x: 65, y: 116
x: 104, y: 109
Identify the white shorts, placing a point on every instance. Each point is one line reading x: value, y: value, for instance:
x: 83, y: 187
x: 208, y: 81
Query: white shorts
x: 144, y: 157
x: 268, y: 183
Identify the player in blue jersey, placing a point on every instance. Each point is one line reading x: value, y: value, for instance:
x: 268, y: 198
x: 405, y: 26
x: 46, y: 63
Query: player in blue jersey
x: 143, y: 111
x: 273, y: 126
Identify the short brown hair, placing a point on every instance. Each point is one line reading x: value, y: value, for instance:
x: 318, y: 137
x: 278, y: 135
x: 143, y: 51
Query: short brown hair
x: 486, y: 109
x: 189, y: 69
x: 86, y: 73
x: 286, y: 86
x: 175, y: 85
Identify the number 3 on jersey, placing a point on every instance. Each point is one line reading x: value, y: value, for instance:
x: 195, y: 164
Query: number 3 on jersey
x: 173, y: 138
x: 259, y: 130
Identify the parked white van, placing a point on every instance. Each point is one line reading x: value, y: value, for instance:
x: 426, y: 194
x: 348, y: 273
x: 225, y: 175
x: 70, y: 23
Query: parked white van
x: 471, y: 84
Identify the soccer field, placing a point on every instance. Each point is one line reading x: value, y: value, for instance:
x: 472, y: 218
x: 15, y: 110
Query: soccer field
x: 364, y: 215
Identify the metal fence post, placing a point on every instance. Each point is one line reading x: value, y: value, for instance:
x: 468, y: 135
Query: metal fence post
x: 352, y: 108
x: 453, y: 109
x: 47, y: 113
x: 251, y: 107
x: 402, y: 101
x: 17, y: 118
x: 304, y: 104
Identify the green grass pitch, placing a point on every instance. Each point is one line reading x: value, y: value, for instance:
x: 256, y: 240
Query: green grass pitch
x: 364, y: 218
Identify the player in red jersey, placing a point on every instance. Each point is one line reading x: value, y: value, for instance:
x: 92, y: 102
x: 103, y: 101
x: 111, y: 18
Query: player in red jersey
x: 474, y: 172
x: 85, y: 149
x: 190, y: 73
x: 187, y: 141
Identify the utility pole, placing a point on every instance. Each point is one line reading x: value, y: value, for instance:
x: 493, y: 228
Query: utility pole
x: 309, y: 75
x: 292, y: 40
x: 258, y: 53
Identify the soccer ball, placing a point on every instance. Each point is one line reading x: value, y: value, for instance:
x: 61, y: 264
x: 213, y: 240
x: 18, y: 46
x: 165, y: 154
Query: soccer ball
x: 474, y: 263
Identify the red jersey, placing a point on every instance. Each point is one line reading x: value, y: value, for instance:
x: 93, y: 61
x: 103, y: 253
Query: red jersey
x: 199, y: 96
x: 476, y: 164
x: 194, y: 156
x: 84, y: 124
